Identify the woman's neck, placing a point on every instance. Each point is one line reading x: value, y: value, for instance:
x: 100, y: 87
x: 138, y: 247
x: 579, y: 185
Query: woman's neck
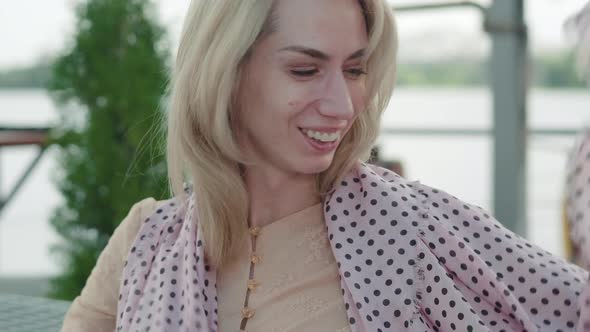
x: 274, y: 194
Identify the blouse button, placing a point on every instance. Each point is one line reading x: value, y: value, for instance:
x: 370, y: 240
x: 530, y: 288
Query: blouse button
x: 247, y: 313
x: 253, y: 284
x: 254, y: 231
x: 255, y: 259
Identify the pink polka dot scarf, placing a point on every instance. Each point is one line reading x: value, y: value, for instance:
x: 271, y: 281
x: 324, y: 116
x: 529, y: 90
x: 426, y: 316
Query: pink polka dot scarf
x: 411, y: 258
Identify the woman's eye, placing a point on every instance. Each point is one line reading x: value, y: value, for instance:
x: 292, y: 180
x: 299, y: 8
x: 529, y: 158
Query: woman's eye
x: 355, y: 72
x: 304, y: 72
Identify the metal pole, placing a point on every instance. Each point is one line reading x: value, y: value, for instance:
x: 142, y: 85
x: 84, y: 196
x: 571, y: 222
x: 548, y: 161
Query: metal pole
x: 505, y: 23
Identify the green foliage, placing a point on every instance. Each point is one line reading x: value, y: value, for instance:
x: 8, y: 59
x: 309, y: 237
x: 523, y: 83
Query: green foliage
x: 557, y: 70
x: 453, y: 72
x: 109, y: 85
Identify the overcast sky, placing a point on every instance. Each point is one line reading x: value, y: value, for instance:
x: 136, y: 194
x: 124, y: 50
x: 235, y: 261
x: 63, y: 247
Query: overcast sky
x: 32, y: 29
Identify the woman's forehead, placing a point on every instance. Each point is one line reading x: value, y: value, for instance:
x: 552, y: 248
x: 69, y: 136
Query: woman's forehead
x: 326, y: 25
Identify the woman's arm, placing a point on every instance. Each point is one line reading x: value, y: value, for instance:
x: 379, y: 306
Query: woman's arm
x: 577, y: 199
x: 96, y: 307
x: 510, y: 276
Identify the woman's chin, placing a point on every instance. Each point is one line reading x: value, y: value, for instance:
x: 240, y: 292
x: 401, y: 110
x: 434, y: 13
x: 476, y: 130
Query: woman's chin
x: 314, y: 165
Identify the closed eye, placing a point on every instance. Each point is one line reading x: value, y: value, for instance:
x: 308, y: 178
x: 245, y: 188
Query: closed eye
x: 355, y: 72
x: 305, y: 72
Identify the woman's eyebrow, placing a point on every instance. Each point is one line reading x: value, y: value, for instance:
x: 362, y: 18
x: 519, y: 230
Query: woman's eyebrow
x: 319, y: 54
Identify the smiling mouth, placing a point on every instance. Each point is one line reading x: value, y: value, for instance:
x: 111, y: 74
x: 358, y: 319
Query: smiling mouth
x: 323, y: 137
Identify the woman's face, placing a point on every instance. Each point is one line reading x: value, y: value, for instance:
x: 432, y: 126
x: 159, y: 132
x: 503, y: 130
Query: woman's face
x: 303, y: 85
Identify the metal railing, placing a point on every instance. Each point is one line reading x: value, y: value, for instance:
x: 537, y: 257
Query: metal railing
x: 19, y: 136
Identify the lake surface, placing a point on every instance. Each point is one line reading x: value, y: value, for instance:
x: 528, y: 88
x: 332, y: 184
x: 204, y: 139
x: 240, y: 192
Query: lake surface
x: 459, y: 165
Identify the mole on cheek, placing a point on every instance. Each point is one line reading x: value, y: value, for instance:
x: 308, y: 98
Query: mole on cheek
x: 293, y: 103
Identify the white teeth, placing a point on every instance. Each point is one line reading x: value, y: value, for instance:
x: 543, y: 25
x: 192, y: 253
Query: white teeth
x: 323, y: 137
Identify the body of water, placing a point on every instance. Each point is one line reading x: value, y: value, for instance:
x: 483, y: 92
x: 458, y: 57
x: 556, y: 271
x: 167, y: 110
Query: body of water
x: 459, y: 165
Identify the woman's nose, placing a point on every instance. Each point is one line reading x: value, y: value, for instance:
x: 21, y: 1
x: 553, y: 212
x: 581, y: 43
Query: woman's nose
x: 336, y: 101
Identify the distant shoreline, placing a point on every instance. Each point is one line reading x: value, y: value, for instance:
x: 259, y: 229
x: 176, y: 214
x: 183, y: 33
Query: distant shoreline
x: 32, y: 77
x: 551, y: 70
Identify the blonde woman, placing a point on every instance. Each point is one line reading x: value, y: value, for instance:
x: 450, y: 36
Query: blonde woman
x: 273, y: 106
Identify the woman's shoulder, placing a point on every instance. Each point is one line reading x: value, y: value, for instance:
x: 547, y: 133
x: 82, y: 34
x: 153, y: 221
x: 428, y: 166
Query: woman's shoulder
x: 378, y: 184
x: 434, y: 216
x: 143, y: 208
x: 96, y: 306
x: 147, y: 207
x: 143, y: 211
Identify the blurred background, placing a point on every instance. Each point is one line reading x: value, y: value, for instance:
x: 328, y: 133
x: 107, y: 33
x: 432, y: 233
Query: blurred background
x: 80, y: 84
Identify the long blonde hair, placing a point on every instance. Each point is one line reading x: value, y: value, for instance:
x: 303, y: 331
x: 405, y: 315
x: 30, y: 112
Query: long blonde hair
x: 216, y: 37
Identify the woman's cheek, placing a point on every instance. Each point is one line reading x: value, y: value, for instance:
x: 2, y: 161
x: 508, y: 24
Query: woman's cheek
x: 358, y: 93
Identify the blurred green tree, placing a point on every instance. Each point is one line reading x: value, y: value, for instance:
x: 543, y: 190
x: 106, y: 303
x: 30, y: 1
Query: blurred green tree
x: 109, y: 85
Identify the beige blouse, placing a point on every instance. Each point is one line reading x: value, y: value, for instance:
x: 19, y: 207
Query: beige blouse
x: 284, y: 295
x: 295, y: 284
